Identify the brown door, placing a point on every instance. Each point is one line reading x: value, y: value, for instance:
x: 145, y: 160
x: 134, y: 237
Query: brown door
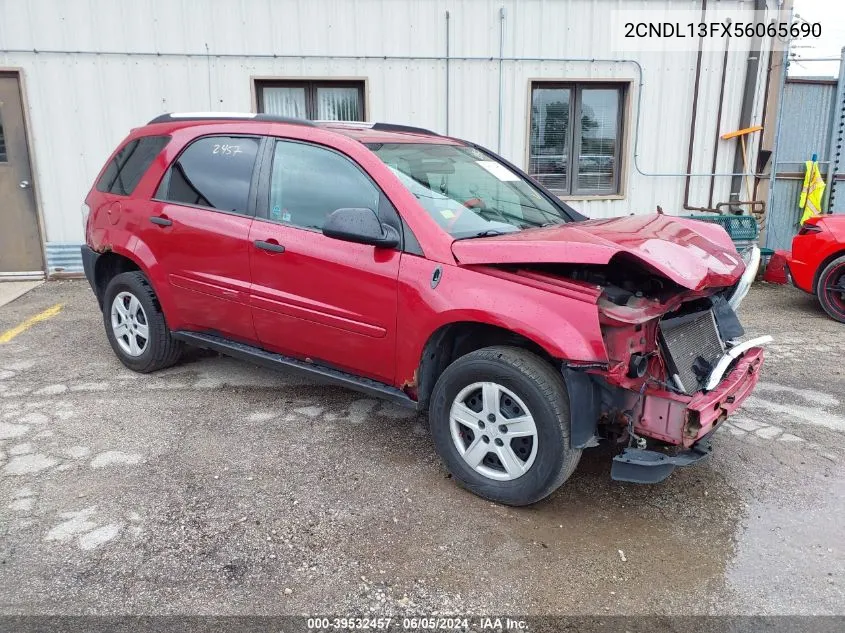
x: 20, y: 242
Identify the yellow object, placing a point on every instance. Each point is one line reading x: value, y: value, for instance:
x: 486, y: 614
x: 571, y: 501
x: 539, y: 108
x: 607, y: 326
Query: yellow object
x: 812, y: 192
x: 8, y: 335
x: 742, y: 132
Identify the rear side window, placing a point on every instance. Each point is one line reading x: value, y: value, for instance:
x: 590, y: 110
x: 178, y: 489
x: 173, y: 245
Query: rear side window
x: 214, y: 172
x: 125, y: 170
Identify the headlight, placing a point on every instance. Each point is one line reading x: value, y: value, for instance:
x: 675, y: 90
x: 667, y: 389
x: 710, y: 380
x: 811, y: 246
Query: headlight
x: 751, y: 257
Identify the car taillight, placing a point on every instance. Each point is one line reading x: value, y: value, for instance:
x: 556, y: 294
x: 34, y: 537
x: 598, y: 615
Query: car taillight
x: 806, y: 229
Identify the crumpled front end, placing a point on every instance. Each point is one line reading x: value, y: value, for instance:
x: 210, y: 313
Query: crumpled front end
x: 679, y: 366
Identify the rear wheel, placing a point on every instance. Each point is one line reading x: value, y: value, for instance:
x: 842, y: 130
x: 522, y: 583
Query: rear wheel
x: 500, y: 421
x: 135, y: 324
x: 830, y: 289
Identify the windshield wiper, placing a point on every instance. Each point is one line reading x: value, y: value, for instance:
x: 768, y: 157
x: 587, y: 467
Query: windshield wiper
x: 485, y: 233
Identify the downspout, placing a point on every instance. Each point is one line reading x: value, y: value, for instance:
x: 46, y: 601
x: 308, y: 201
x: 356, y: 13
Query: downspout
x: 447, y: 73
x: 837, y: 127
x: 694, y: 114
x: 501, y: 84
x: 716, y: 136
x: 773, y: 172
x: 751, y: 69
x: 758, y: 168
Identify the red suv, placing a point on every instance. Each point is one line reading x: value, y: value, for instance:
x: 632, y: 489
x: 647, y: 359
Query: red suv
x: 428, y: 271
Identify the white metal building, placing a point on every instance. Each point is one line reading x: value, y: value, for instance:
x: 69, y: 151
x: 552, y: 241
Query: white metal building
x: 537, y: 80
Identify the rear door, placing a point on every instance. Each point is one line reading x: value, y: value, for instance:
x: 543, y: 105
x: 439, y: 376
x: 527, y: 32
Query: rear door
x: 316, y: 297
x: 198, y: 230
x: 20, y: 241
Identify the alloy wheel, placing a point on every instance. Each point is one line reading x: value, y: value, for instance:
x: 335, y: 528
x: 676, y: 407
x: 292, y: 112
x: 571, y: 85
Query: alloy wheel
x: 129, y: 324
x: 834, y: 288
x: 493, y: 431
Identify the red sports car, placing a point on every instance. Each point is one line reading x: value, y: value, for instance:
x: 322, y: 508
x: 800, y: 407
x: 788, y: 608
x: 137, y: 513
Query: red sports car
x: 816, y: 263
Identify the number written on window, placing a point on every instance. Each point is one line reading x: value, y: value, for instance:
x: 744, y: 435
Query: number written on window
x: 214, y: 172
x: 226, y: 150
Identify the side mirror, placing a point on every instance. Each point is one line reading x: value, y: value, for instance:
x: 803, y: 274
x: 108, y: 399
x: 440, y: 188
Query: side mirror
x: 361, y: 226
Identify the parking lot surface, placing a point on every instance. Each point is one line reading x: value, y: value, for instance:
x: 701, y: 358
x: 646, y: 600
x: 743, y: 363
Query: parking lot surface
x: 217, y: 487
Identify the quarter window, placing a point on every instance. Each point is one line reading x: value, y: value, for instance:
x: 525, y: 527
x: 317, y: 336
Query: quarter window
x: 214, y: 172
x: 309, y: 182
x: 125, y: 170
x: 576, y: 137
x: 316, y: 100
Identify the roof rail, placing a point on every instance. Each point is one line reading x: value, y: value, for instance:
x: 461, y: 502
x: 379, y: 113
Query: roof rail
x: 170, y: 117
x: 383, y: 127
x: 394, y: 127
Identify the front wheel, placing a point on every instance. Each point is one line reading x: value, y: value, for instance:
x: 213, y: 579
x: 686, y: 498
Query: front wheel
x: 830, y: 289
x: 500, y: 421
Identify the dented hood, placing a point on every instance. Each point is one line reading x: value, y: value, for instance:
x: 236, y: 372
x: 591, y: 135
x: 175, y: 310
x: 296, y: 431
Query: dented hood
x: 693, y: 254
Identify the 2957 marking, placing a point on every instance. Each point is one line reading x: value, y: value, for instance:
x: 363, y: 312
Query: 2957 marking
x: 723, y: 29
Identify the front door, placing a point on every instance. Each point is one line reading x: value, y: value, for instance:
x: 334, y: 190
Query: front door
x: 20, y: 241
x: 313, y: 296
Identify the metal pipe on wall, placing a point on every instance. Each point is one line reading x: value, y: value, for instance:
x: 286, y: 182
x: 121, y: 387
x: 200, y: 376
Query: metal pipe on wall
x: 775, y: 144
x: 694, y: 114
x: 752, y: 67
x: 837, y: 130
x: 447, y: 73
x: 501, y: 82
x: 716, y: 136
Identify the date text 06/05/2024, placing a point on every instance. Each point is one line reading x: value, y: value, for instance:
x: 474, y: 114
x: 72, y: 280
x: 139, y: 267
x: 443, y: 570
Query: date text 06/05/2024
x: 781, y: 30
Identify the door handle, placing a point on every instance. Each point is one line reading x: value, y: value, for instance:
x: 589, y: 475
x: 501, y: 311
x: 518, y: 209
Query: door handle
x: 23, y: 184
x: 273, y: 247
x: 161, y: 221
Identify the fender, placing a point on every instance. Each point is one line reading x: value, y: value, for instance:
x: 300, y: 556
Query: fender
x: 564, y: 327
x: 139, y: 253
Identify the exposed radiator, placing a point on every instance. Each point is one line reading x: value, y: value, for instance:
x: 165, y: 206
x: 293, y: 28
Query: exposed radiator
x: 691, y: 347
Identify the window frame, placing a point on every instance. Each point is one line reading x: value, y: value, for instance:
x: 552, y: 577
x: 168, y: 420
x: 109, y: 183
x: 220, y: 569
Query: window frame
x: 386, y: 211
x: 310, y: 85
x: 573, y: 192
x: 253, y: 182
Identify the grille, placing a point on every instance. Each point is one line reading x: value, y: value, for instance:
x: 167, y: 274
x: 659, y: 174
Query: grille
x: 691, y: 347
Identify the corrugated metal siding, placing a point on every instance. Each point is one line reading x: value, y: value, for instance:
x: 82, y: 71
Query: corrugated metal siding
x: 807, y: 110
x: 81, y: 105
x: 64, y: 258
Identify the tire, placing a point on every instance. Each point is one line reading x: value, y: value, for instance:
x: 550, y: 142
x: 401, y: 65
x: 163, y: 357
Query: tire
x: 830, y: 279
x: 158, y: 350
x: 523, y: 383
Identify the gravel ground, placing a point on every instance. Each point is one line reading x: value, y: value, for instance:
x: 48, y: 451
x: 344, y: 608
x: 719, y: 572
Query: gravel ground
x: 217, y: 487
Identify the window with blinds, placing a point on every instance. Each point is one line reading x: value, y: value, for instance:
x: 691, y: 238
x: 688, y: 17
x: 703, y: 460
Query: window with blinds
x: 576, y: 137
x: 315, y: 100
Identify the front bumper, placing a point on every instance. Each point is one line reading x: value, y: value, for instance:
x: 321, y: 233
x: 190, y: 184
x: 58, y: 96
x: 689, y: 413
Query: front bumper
x: 693, y: 421
x: 683, y: 420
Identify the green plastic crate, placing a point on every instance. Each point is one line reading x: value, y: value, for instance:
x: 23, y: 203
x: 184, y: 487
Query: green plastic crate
x: 741, y: 228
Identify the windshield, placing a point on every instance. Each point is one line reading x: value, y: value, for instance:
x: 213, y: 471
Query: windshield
x: 466, y: 191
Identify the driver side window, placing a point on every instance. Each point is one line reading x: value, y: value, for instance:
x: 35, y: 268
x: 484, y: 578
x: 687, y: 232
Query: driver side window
x: 308, y: 182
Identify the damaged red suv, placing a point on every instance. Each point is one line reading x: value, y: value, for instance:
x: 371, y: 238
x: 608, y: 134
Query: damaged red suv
x: 428, y: 271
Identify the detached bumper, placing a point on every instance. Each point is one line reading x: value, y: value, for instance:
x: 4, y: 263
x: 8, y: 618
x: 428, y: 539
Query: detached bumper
x: 641, y: 466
